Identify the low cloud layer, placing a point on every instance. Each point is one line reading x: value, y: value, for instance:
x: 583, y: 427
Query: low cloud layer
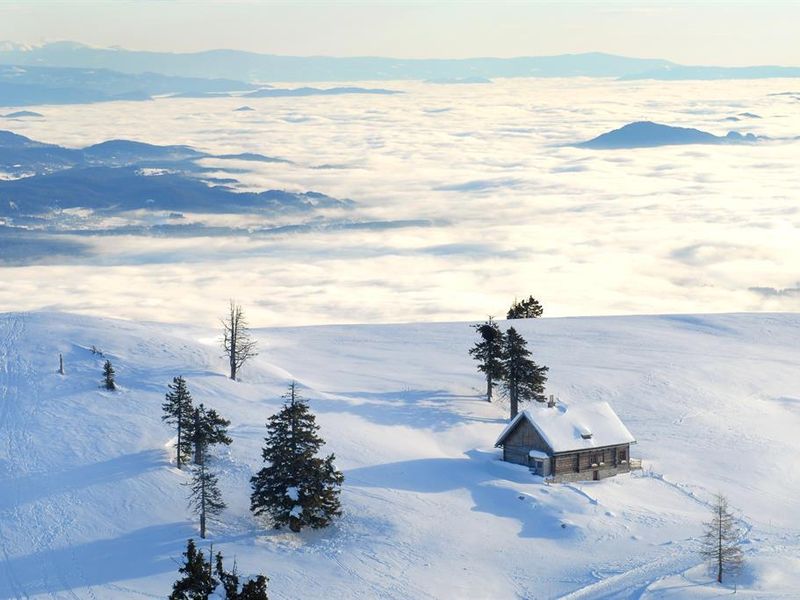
x: 496, y: 202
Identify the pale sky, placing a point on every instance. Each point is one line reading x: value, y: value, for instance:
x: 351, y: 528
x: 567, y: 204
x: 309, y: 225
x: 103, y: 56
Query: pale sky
x: 700, y: 32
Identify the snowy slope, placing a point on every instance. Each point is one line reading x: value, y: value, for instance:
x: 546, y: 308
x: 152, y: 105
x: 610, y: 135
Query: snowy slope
x: 91, y: 506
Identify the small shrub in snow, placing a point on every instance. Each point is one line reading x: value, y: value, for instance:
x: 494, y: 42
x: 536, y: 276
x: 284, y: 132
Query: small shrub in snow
x: 108, y: 376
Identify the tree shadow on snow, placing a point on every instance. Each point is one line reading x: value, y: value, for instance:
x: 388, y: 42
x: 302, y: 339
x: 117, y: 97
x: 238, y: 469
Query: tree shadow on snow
x: 478, y: 473
x: 141, y: 553
x: 435, y: 410
x: 35, y: 486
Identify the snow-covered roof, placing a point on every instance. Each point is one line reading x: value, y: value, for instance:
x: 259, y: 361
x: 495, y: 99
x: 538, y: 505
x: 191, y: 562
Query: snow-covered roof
x: 538, y: 454
x: 578, y: 427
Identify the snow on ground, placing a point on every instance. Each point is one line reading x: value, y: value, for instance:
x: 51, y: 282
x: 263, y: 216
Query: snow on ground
x: 91, y: 505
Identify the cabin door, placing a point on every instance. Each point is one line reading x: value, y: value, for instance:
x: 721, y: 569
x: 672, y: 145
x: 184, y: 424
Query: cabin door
x: 596, y: 475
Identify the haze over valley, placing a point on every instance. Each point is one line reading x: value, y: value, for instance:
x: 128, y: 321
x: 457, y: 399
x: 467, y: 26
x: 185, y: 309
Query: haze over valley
x: 479, y: 191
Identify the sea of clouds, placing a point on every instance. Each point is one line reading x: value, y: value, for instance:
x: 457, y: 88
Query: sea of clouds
x: 500, y: 206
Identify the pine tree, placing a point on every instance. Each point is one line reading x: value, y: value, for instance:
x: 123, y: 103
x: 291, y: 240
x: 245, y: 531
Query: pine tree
x: 197, y: 583
x: 179, y: 412
x: 254, y: 589
x: 239, y: 347
x: 108, y: 376
x: 488, y: 351
x: 721, y: 541
x: 209, y: 429
x: 296, y: 488
x: 525, y: 309
x: 205, y: 498
x: 523, y: 379
x: 228, y: 579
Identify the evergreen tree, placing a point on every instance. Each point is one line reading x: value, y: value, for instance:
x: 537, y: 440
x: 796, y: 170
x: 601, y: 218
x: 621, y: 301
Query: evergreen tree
x: 488, y: 351
x: 208, y: 429
x: 721, y: 541
x: 197, y: 582
x: 179, y: 412
x: 523, y: 379
x: 228, y: 579
x: 525, y: 309
x: 108, y: 376
x: 296, y: 488
x: 254, y: 589
x: 205, y: 499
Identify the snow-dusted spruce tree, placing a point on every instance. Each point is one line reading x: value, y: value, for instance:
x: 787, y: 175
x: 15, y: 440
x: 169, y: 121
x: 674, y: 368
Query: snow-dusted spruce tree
x: 208, y: 429
x: 236, y: 341
x: 179, y: 412
x: 197, y: 582
x: 253, y: 589
x: 721, y: 541
x: 525, y: 309
x: 523, y: 379
x: 488, y: 351
x: 296, y: 487
x: 108, y: 376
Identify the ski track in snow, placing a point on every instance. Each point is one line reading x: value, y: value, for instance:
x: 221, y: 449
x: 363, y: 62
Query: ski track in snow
x: 48, y: 518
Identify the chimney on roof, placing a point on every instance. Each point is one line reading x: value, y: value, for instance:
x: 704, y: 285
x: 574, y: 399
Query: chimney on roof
x: 551, y: 402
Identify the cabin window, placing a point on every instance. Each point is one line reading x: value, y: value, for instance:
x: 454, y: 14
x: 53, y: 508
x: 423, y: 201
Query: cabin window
x: 623, y: 454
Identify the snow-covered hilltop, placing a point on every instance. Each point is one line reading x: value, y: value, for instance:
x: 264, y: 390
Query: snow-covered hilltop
x: 92, y: 507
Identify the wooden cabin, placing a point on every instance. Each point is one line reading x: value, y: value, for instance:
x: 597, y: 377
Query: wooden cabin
x: 568, y: 443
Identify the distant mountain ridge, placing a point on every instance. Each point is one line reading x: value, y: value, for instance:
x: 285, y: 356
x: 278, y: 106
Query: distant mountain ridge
x: 121, y: 175
x: 253, y: 67
x: 258, y: 68
x: 32, y: 85
x: 646, y: 134
x: 22, y: 156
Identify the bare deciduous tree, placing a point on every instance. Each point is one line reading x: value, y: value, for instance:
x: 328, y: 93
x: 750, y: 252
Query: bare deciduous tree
x: 236, y: 341
x: 721, y: 541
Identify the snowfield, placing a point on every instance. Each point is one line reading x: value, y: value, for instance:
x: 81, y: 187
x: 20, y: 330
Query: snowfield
x: 91, y: 505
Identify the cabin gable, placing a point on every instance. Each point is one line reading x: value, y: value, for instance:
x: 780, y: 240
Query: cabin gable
x: 521, y: 440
